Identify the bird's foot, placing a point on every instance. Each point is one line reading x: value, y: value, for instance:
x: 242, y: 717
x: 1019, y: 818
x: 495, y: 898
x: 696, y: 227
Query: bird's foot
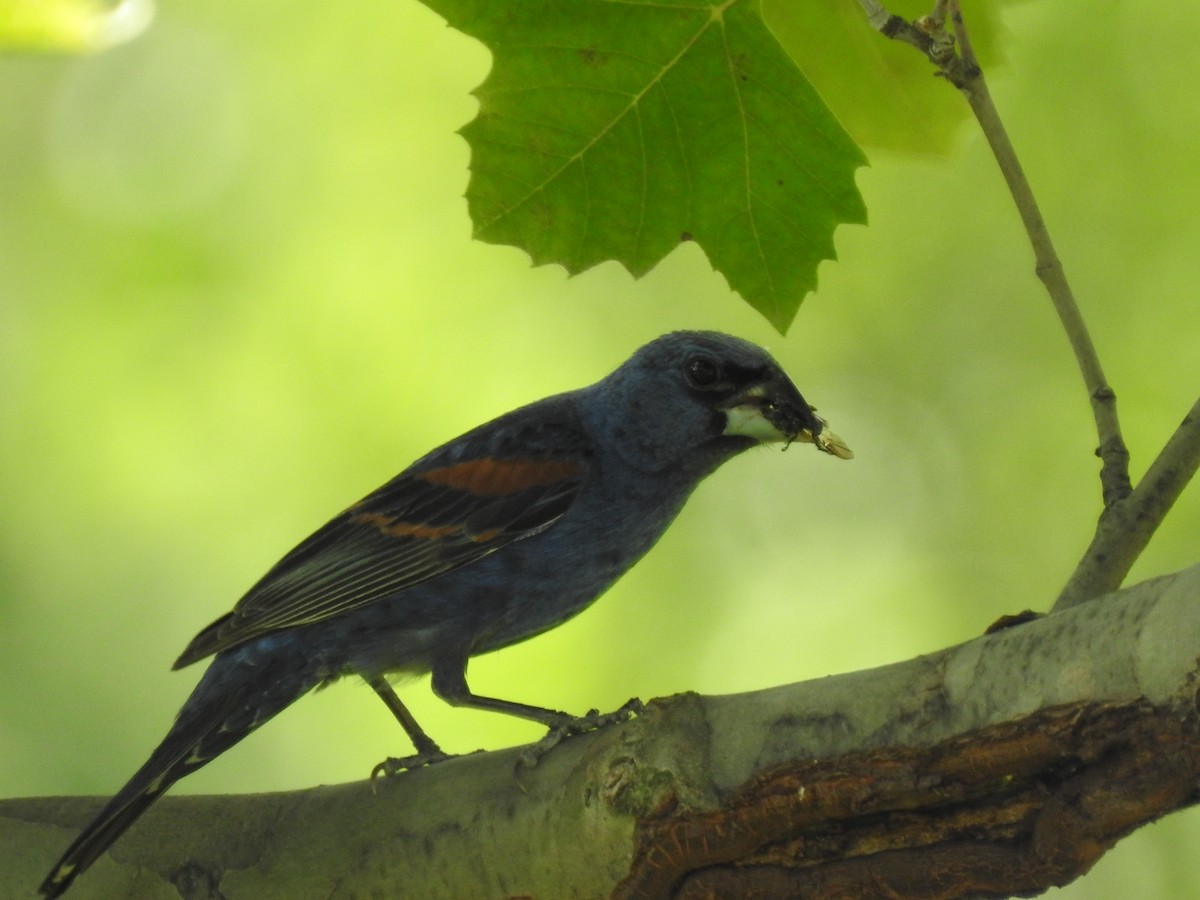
x: 573, y: 725
x: 395, y: 764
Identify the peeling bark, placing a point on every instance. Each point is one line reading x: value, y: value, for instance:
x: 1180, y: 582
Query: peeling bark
x: 1009, y: 809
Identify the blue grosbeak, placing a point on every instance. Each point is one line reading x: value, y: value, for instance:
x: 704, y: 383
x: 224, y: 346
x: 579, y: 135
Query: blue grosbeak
x: 495, y: 537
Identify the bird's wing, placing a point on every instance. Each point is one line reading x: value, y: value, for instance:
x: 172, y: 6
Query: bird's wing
x: 437, y: 516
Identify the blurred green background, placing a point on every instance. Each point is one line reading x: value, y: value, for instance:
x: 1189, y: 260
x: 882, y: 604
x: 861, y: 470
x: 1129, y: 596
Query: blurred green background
x: 238, y: 291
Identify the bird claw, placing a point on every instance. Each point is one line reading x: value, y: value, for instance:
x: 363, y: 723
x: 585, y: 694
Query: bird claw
x: 569, y: 726
x: 396, y: 764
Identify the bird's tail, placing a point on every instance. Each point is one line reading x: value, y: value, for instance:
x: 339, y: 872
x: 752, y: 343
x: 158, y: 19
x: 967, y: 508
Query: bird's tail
x: 116, y: 816
x: 224, y: 708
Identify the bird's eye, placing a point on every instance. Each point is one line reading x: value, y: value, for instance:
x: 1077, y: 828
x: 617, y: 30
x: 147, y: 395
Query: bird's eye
x: 703, y: 373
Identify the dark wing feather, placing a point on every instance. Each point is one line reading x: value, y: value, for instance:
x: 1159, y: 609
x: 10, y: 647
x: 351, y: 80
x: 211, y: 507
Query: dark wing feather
x: 427, y: 521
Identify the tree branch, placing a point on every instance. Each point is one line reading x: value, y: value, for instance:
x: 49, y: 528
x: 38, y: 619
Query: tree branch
x: 1006, y: 764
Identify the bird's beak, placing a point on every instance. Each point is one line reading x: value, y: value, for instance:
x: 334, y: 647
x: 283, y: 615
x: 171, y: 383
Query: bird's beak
x: 773, y: 410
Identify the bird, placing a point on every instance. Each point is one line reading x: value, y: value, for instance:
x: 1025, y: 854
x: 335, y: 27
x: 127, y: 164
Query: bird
x: 493, y: 538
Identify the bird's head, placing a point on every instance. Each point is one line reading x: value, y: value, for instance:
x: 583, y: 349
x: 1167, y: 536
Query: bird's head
x: 696, y: 398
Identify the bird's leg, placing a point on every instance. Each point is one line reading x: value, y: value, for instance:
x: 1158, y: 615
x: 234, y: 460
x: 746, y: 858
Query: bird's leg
x: 428, y: 752
x: 450, y: 683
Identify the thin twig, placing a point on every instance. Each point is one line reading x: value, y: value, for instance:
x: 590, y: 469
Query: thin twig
x: 1130, y: 516
x: 1114, y: 457
x: 966, y: 48
x: 959, y: 66
x: 1126, y: 528
x: 941, y: 9
x: 893, y: 26
x: 877, y: 16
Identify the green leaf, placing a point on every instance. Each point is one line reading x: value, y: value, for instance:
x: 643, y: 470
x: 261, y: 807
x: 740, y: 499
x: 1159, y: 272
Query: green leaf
x: 614, y: 129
